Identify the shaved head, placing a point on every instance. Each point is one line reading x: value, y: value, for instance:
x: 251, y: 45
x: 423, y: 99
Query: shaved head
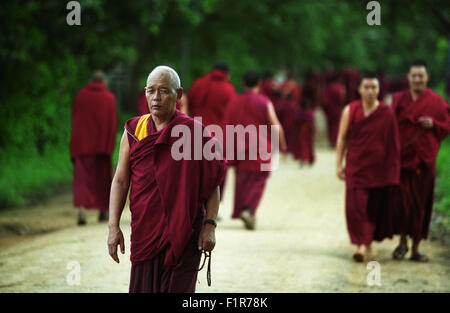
x: 163, y: 70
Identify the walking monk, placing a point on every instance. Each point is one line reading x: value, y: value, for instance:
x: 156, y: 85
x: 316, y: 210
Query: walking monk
x: 173, y: 202
x: 424, y: 121
x: 250, y: 110
x: 209, y: 95
x: 368, y: 133
x: 94, y: 127
x: 333, y: 101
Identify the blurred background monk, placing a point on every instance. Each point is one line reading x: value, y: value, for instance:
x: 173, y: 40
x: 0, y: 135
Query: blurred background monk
x: 368, y: 134
x: 424, y: 121
x: 209, y: 95
x: 290, y: 102
x: 251, y: 109
x: 173, y: 203
x: 94, y: 127
x: 333, y: 101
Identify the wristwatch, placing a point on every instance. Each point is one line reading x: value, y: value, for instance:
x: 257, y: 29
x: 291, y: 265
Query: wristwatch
x: 209, y: 221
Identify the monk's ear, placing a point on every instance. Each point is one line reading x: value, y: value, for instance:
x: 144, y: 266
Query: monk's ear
x: 179, y: 93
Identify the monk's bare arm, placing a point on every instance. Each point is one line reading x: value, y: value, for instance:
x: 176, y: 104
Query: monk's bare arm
x: 273, y: 120
x: 117, y: 199
x: 207, y: 239
x: 342, y: 142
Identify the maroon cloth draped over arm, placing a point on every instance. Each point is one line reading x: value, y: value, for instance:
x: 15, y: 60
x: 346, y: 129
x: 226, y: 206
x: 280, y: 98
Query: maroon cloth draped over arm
x: 373, y: 148
x: 94, y: 121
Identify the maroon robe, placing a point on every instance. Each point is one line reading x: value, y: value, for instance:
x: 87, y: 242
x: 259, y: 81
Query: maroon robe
x: 208, y: 97
x: 304, y: 144
x: 249, y: 108
x: 167, y: 203
x: 350, y: 79
x: 93, y: 137
x: 290, y: 104
x: 419, y: 149
x: 333, y: 101
x: 372, y: 169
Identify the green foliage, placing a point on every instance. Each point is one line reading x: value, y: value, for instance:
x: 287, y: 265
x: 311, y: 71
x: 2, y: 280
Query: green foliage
x: 443, y: 180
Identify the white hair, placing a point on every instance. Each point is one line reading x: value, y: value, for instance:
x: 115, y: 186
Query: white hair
x: 174, y: 78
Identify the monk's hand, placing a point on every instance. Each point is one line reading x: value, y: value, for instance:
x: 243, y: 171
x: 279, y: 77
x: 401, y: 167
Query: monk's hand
x: 207, y: 238
x: 115, y: 238
x: 340, y: 172
x: 426, y: 122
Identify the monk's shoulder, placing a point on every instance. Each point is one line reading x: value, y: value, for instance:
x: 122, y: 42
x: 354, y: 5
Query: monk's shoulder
x: 386, y: 110
x: 436, y: 97
x: 131, y: 123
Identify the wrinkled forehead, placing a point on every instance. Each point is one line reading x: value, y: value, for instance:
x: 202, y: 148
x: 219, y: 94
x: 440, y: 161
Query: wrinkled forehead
x: 160, y: 79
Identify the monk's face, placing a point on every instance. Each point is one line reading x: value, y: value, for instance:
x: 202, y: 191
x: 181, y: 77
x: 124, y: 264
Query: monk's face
x: 418, y: 78
x: 162, y: 95
x: 369, y: 89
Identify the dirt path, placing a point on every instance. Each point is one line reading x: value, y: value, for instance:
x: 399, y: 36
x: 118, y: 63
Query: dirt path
x: 300, y: 245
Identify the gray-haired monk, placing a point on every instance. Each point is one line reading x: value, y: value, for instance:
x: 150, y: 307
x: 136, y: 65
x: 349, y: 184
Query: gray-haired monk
x: 173, y: 203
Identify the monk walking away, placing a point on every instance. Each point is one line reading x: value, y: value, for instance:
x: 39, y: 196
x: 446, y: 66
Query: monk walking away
x: 369, y: 137
x: 94, y: 128
x: 251, y: 110
x: 424, y: 121
x: 209, y: 96
x: 173, y: 203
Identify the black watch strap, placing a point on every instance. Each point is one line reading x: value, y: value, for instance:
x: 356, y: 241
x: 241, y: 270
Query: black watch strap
x: 212, y: 222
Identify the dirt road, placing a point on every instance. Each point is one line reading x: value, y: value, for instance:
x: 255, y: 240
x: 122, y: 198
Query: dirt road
x: 300, y: 245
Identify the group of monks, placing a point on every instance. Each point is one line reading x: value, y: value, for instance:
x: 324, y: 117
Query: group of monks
x: 390, y: 162
x: 389, y: 150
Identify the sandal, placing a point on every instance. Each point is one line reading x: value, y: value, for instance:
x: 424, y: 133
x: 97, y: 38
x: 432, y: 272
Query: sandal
x: 358, y: 257
x: 399, y: 252
x: 419, y: 257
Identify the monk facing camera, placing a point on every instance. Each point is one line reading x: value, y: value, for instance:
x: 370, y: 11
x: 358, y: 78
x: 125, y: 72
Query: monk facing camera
x: 368, y: 136
x: 173, y: 204
x: 424, y: 121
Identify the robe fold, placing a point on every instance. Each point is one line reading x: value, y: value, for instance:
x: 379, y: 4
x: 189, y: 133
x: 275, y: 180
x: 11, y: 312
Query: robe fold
x: 93, y: 137
x: 372, y: 170
x: 249, y: 109
x: 167, y: 197
x: 419, y: 149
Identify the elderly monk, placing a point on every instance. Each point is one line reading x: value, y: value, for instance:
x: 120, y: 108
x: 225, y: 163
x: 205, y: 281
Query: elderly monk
x: 251, y: 109
x: 94, y: 128
x: 173, y: 203
x: 142, y: 106
x: 368, y: 133
x: 424, y: 121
